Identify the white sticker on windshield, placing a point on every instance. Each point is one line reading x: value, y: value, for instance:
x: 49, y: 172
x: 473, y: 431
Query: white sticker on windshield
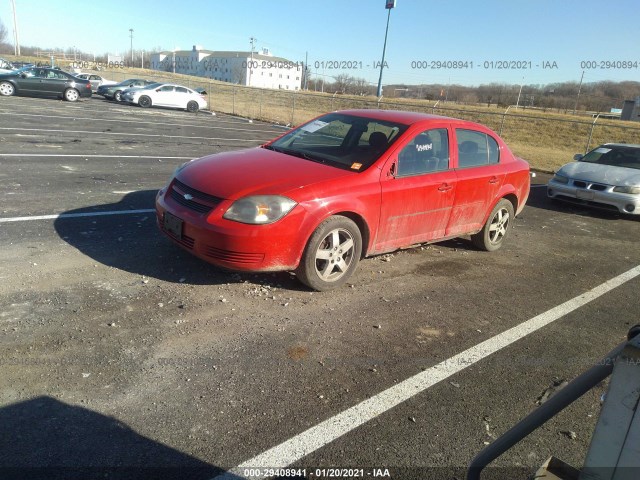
x: 313, y: 126
x: 603, y: 150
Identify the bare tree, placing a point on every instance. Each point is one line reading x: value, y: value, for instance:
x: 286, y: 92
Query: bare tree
x: 3, y: 36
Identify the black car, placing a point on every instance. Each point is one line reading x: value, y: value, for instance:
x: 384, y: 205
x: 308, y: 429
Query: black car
x: 43, y: 81
x: 114, y: 91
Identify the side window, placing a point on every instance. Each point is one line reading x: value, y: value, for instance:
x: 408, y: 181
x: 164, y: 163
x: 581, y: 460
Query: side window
x: 167, y: 88
x: 427, y: 152
x: 181, y: 90
x: 476, y: 149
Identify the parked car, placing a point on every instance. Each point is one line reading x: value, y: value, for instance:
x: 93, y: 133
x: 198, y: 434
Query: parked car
x: 608, y: 177
x: 96, y: 80
x: 6, y: 66
x: 42, y: 81
x: 165, y: 95
x: 346, y: 185
x: 115, y: 91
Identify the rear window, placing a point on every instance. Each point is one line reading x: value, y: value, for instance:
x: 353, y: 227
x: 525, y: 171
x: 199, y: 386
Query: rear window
x: 476, y: 149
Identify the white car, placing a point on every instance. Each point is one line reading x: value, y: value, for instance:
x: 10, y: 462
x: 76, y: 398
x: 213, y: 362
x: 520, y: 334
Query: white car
x: 6, y: 66
x: 165, y: 95
x: 96, y: 80
x: 607, y: 177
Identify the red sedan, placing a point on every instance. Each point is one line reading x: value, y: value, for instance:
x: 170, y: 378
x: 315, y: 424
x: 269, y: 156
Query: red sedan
x: 341, y: 187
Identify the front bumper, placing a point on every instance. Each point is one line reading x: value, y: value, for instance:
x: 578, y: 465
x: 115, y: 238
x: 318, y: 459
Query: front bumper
x: 232, y: 245
x: 603, y: 199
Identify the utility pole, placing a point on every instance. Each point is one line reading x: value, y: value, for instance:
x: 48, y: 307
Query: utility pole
x: 252, y: 41
x: 578, y: 96
x: 131, y: 34
x: 389, y: 4
x: 16, y: 38
x: 519, y: 93
x: 306, y: 70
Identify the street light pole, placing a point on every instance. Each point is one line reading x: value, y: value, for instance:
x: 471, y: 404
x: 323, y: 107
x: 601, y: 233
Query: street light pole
x: 16, y: 48
x: 389, y: 5
x: 131, y: 34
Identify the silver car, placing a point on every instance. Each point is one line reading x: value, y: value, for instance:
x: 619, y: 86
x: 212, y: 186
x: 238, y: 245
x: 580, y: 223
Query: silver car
x: 607, y: 177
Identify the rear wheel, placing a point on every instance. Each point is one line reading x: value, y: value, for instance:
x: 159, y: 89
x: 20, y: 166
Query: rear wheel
x: 492, y: 235
x: 71, y: 95
x: 7, y: 89
x: 144, y: 101
x: 331, y: 255
x: 193, y: 106
x: 117, y: 95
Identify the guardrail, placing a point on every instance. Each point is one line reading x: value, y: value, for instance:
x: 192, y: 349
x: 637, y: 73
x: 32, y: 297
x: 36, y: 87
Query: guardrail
x: 570, y: 393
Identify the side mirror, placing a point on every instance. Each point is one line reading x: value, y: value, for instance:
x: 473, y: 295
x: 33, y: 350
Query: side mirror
x: 577, y: 157
x: 23, y: 75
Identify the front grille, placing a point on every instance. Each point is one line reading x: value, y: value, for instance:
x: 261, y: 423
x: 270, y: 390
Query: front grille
x: 590, y: 186
x: 200, y: 202
x: 233, y: 257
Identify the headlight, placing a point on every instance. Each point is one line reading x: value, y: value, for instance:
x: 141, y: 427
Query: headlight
x: 259, y: 209
x: 633, y: 190
x: 560, y: 179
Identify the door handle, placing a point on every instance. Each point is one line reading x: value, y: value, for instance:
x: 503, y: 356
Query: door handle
x: 445, y: 187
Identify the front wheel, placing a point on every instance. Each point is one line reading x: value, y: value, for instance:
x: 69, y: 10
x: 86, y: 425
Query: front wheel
x: 7, y: 89
x: 492, y: 235
x: 71, y: 95
x: 144, y: 101
x: 193, y: 106
x: 331, y: 255
x: 117, y: 95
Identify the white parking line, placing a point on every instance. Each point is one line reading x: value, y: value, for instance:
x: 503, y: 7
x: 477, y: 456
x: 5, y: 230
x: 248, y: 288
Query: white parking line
x: 150, y: 122
x: 132, y: 134
x: 88, y: 156
x: 317, y: 437
x: 74, y: 215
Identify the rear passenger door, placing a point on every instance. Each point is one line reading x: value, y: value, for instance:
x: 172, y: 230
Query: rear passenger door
x: 479, y: 178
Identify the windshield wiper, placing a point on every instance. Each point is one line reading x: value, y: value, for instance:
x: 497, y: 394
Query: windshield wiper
x: 296, y: 153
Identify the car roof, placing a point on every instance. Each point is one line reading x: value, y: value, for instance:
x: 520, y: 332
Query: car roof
x: 632, y: 145
x: 407, y: 118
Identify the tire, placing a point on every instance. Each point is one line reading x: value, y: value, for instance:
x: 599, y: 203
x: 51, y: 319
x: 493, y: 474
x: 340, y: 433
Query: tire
x: 193, y: 106
x: 7, y: 89
x: 117, y: 95
x: 494, y: 232
x: 144, y: 101
x: 71, y: 95
x: 331, y: 255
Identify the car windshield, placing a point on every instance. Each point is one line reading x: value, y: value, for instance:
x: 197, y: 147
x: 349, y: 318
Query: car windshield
x: 344, y: 141
x: 152, y: 86
x: 616, y: 156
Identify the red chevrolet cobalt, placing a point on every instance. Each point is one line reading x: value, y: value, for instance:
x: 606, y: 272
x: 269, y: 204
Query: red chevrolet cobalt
x: 341, y: 187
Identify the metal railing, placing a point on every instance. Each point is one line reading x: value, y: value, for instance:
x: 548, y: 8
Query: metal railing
x: 555, y: 404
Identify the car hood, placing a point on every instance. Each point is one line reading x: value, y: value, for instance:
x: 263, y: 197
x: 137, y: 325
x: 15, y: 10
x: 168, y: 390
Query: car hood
x: 607, y: 174
x: 256, y: 171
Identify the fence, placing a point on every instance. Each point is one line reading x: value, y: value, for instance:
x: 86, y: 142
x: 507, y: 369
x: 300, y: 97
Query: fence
x: 546, y: 140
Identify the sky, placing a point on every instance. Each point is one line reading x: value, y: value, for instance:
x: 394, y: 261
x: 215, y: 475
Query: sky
x: 506, y: 41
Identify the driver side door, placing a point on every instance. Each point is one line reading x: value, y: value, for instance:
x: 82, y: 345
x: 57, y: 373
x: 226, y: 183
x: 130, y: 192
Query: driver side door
x: 418, y: 190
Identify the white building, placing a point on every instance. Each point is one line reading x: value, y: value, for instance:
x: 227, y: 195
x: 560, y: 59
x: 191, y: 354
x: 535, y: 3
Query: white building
x: 244, y: 68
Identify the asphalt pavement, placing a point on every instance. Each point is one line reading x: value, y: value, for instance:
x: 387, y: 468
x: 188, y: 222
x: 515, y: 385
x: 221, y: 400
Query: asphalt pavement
x: 122, y: 356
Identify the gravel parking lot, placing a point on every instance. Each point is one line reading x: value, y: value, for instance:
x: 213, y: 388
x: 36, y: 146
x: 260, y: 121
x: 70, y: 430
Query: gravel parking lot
x: 124, y: 357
